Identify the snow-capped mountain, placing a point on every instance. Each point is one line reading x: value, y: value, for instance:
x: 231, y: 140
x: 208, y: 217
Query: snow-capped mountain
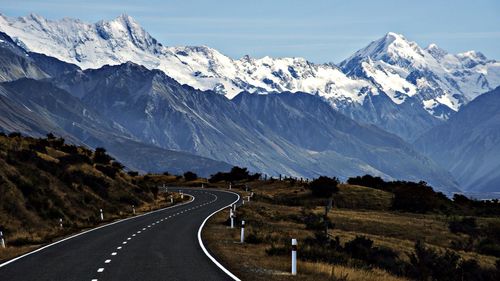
x: 123, y: 39
x: 442, y: 82
x: 392, y: 83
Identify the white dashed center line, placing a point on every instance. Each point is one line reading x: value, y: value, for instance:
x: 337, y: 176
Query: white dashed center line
x: 100, y: 269
x: 107, y: 261
x: 113, y: 253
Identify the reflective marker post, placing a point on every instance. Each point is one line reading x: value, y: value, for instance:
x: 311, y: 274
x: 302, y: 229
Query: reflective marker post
x: 231, y: 217
x: 60, y: 223
x: 2, y: 241
x: 102, y: 215
x: 294, y: 256
x: 133, y: 209
x: 242, y: 240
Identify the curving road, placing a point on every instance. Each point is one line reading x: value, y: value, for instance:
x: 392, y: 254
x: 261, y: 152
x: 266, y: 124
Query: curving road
x: 161, y: 245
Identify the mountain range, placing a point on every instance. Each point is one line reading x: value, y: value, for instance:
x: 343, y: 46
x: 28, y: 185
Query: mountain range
x: 111, y: 84
x: 392, y: 83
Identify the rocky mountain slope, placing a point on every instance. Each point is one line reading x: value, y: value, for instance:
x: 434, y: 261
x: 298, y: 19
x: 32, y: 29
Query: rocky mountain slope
x: 468, y: 144
x: 262, y: 132
x: 392, y: 83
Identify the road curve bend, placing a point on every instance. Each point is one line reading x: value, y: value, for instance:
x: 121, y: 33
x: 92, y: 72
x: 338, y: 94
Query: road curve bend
x: 160, y: 245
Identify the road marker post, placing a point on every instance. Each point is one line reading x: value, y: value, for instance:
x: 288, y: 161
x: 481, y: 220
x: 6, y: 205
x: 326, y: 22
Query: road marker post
x: 61, y: 223
x: 182, y: 195
x: 242, y: 238
x: 234, y: 207
x: 2, y: 240
x: 231, y: 217
x: 229, y: 186
x: 202, y: 186
x: 294, y: 256
x: 171, y: 199
x: 248, y: 198
x: 102, y: 215
x: 133, y: 209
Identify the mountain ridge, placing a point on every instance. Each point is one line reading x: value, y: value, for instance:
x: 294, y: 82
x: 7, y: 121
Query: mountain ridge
x: 355, y: 90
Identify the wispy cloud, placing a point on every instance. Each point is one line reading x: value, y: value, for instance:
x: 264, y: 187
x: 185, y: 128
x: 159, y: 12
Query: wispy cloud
x: 460, y: 35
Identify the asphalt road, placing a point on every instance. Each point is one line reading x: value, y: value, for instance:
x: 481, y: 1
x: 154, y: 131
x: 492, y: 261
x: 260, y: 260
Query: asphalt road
x: 162, y: 245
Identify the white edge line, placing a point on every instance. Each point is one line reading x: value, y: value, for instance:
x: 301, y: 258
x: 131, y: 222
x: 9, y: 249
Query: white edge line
x: 203, y: 246
x: 90, y: 230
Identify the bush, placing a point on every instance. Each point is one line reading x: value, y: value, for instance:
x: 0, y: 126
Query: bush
x: 190, y: 176
x: 253, y: 238
x: 368, y: 181
x: 324, y: 186
x: 101, y: 157
x: 236, y: 174
x: 417, y: 198
x: 465, y: 225
x: 359, y: 248
x: 316, y: 222
x: 133, y: 173
x: 107, y: 170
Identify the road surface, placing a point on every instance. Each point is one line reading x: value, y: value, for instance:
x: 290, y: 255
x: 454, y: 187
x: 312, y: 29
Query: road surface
x: 162, y: 245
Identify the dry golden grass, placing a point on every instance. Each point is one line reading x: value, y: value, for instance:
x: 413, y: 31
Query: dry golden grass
x: 269, y: 218
x: 47, y: 157
x: 250, y: 261
x: 353, y: 274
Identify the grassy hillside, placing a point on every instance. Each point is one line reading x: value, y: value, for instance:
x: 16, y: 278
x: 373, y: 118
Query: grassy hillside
x: 369, y: 238
x: 45, y: 180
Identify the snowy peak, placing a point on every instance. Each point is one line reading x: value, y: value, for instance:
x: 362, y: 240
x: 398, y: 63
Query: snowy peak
x: 435, y: 51
x: 126, y: 28
x: 440, y: 81
x: 393, y: 48
x: 471, y: 59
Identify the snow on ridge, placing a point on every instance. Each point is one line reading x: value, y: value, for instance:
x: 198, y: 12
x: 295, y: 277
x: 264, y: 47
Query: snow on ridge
x: 392, y: 64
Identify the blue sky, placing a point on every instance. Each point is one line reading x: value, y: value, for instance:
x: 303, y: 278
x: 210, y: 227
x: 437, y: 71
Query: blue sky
x: 319, y: 30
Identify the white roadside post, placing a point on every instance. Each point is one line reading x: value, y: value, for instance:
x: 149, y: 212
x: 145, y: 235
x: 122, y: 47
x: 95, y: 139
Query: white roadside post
x: 242, y: 239
x: 2, y: 241
x: 248, y: 198
x: 60, y: 223
x: 234, y: 207
x: 182, y: 195
x: 202, y: 186
x: 171, y: 199
x: 133, y: 209
x: 229, y: 186
x: 102, y: 215
x: 231, y: 217
x: 294, y: 256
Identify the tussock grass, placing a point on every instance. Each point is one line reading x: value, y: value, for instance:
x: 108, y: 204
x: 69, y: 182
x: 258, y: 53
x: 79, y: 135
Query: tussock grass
x: 274, y: 217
